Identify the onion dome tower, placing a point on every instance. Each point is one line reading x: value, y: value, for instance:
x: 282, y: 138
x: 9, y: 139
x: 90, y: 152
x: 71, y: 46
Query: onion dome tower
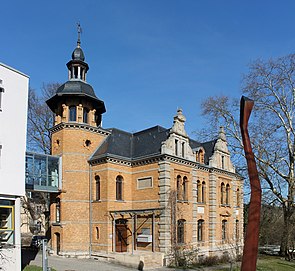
x: 75, y: 100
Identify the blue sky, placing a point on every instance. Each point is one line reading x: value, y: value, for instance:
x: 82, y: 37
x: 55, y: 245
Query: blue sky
x: 147, y: 58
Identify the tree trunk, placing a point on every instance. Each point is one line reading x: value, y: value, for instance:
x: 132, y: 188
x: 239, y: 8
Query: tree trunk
x: 286, y: 237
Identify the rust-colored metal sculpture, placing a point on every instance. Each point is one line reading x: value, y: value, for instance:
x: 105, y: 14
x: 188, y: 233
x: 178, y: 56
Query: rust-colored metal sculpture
x: 252, y: 233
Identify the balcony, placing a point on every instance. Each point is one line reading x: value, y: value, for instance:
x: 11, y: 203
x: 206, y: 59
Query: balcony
x: 43, y: 172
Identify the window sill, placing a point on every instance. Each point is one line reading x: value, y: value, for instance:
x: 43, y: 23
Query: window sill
x: 225, y: 205
x: 183, y: 201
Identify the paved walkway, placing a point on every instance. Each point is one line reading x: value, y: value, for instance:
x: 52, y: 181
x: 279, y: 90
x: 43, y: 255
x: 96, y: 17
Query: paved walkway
x: 73, y: 264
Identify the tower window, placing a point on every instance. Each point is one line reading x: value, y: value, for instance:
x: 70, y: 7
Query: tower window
x: 97, y: 233
x: 85, y: 115
x: 119, y: 188
x: 73, y: 113
x: 97, y: 188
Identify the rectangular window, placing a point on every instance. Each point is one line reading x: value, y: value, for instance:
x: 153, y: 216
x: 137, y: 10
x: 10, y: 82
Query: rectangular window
x: 1, y: 94
x: 7, y: 224
x: 146, y: 231
x: 143, y: 183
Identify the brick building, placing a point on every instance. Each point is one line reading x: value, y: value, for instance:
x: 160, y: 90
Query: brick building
x: 147, y: 192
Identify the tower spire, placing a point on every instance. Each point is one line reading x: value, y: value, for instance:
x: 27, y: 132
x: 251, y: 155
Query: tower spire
x: 79, y: 29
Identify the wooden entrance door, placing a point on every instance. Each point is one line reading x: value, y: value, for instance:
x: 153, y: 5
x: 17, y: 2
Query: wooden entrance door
x: 121, y: 238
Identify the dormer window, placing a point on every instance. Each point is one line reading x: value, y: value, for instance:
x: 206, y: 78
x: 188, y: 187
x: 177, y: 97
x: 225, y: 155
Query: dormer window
x: 222, y: 161
x: 200, y: 156
x: 73, y: 113
x: 182, y: 149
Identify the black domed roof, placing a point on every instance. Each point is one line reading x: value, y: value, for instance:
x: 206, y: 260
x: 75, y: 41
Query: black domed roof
x: 78, y: 54
x: 76, y: 87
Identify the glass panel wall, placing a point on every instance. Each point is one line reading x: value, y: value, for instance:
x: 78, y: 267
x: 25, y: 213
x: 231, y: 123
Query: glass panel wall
x: 42, y: 171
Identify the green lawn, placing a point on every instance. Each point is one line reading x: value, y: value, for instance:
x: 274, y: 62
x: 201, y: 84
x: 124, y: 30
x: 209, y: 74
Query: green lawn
x: 275, y: 264
x: 269, y: 263
x: 35, y: 268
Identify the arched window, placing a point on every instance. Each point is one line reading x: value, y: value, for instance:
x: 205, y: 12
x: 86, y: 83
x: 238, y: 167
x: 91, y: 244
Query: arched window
x: 180, y: 231
x: 201, y: 230
x: 73, y: 113
x: 238, y: 197
x: 227, y: 199
x: 184, y: 188
x: 222, y: 193
x: 178, y: 184
x: 203, y: 191
x: 119, y: 188
x: 224, y: 230
x: 199, y: 191
x: 176, y: 147
x: 85, y: 115
x: 97, y: 188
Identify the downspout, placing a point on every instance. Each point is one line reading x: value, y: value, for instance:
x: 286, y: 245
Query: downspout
x: 90, y: 210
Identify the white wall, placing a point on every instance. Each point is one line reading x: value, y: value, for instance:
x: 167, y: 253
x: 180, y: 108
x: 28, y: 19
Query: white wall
x: 13, y: 124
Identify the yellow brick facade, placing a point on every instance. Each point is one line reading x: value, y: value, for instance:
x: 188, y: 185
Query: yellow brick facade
x: 149, y: 191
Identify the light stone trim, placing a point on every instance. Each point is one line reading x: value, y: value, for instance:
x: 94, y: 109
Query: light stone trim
x: 195, y: 206
x: 80, y: 126
x: 164, y: 196
x: 212, y: 209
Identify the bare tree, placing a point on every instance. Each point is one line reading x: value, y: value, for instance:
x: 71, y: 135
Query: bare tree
x: 40, y: 119
x: 271, y: 84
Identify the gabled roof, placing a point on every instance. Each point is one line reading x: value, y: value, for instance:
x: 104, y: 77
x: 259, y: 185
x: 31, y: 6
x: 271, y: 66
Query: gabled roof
x: 142, y: 144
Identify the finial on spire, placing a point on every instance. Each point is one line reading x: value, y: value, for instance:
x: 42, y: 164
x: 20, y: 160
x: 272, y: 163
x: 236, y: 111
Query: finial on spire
x: 79, y: 29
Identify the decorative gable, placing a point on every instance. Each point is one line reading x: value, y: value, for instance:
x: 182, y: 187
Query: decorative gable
x: 221, y: 155
x: 177, y: 143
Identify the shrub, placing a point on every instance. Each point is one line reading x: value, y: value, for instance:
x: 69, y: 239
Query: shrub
x: 209, y: 261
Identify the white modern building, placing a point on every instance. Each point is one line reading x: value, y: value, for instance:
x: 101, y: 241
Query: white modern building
x: 13, y: 122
